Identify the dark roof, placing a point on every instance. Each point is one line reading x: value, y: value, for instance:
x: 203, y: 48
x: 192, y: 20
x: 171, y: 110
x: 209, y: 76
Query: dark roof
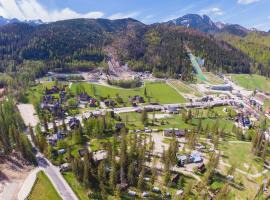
x: 82, y: 152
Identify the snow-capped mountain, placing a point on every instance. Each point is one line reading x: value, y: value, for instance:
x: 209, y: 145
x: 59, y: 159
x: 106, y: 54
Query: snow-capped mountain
x: 5, y: 21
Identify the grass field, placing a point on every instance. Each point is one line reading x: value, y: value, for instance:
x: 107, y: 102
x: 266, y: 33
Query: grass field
x: 241, y: 155
x: 252, y: 82
x: 157, y: 91
x: 174, y: 121
x: 43, y: 189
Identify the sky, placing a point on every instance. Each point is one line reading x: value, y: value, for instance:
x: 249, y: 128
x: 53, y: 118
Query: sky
x: 248, y: 13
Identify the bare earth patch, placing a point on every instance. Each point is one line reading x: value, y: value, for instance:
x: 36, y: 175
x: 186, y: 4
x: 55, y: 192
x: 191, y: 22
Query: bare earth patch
x: 13, y: 171
x: 28, y: 114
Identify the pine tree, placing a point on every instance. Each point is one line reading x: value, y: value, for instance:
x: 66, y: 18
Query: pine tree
x: 45, y: 124
x: 123, y: 157
x: 103, y: 192
x: 86, y: 171
x: 131, y: 173
x: 113, y: 174
x: 140, y: 183
x: 145, y: 92
x: 117, y: 193
x: 64, y: 126
x: 144, y: 117
x: 101, y: 172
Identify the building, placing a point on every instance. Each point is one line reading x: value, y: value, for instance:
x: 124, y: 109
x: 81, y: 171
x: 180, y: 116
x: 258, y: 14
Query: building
x: 173, y: 110
x: 84, y: 97
x: 195, y: 158
x: 136, y: 99
x: 53, y: 90
x: 109, y: 103
x: 74, y: 123
x: 119, y: 126
x: 92, y: 102
x: 222, y: 87
x: 182, y: 159
x: 82, y: 152
x: 201, y: 168
x: 174, y: 132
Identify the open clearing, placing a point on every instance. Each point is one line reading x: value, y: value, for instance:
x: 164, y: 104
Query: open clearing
x: 43, y: 189
x: 157, y: 91
x: 241, y: 155
x: 252, y: 82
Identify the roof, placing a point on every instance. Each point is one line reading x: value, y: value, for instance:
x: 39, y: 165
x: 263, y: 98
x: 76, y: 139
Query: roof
x: 196, y: 157
x: 182, y: 157
x: 99, y: 155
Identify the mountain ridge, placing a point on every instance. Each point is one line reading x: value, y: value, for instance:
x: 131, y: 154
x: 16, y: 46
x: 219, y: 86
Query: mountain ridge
x: 88, y: 43
x: 205, y: 24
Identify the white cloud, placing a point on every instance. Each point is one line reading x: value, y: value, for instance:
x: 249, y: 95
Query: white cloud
x: 124, y: 15
x: 31, y: 9
x: 247, y: 1
x: 212, y: 11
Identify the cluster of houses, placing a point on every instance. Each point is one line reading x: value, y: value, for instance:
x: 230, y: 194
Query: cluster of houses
x: 135, y: 100
x: 51, y: 103
x: 86, y: 99
x: 171, y: 132
x: 55, y: 105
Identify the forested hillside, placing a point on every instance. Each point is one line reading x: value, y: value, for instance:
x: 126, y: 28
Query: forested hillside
x: 256, y: 45
x: 83, y: 44
x: 11, y: 132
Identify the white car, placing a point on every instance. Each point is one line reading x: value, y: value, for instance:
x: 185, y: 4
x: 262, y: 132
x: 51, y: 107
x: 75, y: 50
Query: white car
x: 145, y: 194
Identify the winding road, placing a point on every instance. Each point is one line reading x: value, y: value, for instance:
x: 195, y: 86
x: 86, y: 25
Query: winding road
x: 29, y: 117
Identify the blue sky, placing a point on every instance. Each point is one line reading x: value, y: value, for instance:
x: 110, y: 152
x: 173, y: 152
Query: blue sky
x: 249, y: 13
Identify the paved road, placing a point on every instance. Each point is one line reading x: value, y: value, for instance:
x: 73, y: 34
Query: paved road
x: 51, y: 171
x: 156, y: 107
x: 56, y: 178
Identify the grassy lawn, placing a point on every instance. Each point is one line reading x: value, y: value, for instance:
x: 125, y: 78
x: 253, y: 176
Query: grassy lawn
x: 76, y: 186
x: 157, y: 91
x: 174, y: 121
x: 252, y: 82
x: 219, y: 111
x: 43, y: 189
x: 241, y: 155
